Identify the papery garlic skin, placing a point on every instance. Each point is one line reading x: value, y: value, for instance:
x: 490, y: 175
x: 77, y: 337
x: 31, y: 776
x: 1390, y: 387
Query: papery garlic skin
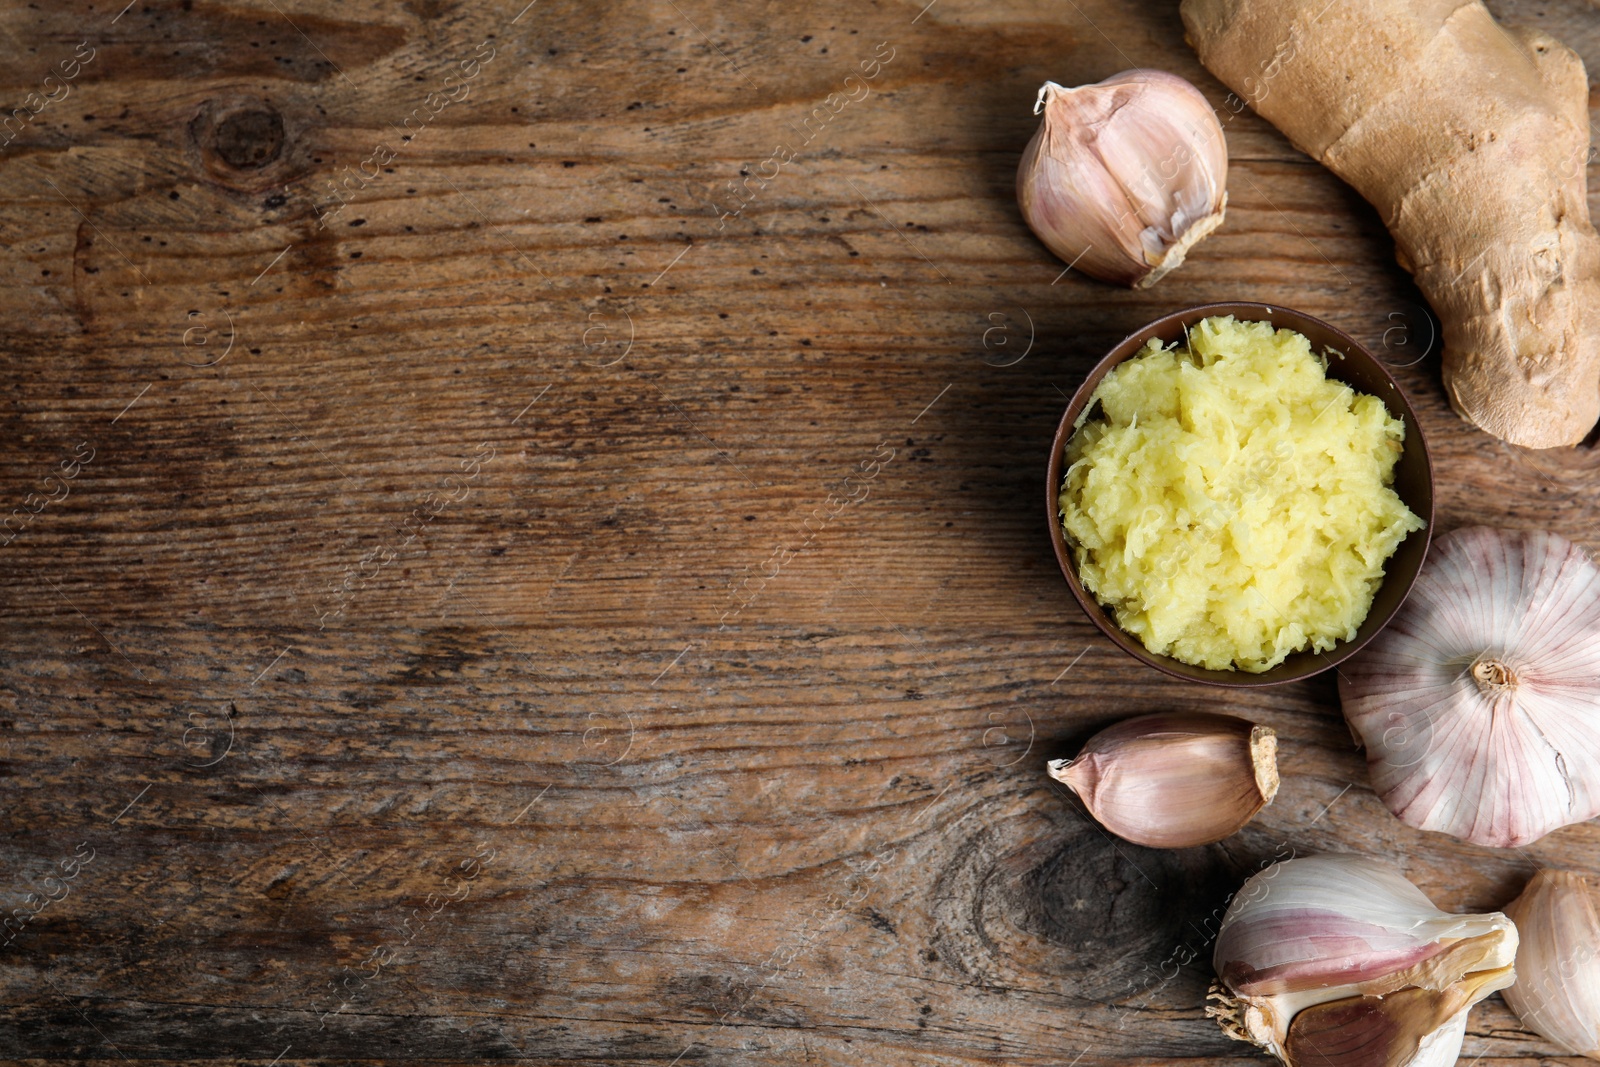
x: 1123, y: 177
x: 1174, y: 779
x: 1479, y: 704
x: 1442, y: 1048
x: 1557, y: 994
x: 1320, y: 954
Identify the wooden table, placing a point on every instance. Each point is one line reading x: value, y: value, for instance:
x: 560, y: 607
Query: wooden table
x: 458, y: 640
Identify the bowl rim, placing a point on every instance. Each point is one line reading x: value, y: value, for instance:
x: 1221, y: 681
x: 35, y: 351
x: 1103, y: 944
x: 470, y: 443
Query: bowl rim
x: 1281, y: 317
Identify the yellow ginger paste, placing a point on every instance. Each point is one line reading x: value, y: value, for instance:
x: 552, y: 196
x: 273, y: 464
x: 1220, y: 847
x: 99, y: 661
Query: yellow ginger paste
x: 1229, y: 502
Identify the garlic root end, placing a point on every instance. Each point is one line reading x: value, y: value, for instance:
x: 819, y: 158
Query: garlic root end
x: 1173, y: 257
x: 1264, y: 758
x: 1228, y: 1011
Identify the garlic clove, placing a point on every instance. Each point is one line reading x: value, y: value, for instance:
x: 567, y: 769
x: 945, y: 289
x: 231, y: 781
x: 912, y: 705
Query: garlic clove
x: 1413, y: 1027
x: 1174, y: 780
x: 1442, y: 1048
x: 1123, y: 177
x: 1476, y: 704
x: 1341, y: 958
x: 1557, y: 994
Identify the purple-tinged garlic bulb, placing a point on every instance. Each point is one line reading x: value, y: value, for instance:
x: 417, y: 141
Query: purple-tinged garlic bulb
x: 1123, y: 177
x: 1339, y: 961
x: 1479, y: 704
x: 1557, y: 994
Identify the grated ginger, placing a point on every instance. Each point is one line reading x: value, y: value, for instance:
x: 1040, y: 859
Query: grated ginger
x: 1234, y: 505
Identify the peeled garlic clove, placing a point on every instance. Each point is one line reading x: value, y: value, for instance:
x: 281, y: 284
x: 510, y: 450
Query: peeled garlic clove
x: 1557, y: 994
x: 1339, y: 959
x: 1174, y: 780
x: 1479, y: 704
x: 1123, y: 177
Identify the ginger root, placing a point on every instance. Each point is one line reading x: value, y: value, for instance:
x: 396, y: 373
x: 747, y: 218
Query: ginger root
x: 1471, y: 139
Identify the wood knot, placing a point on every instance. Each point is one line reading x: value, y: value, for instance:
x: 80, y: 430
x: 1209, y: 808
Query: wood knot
x: 240, y: 142
x: 249, y: 139
x: 1052, y: 899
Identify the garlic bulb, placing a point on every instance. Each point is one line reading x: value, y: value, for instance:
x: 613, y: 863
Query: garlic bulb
x: 1123, y: 177
x: 1479, y: 704
x: 1339, y: 961
x: 1174, y: 780
x: 1557, y: 994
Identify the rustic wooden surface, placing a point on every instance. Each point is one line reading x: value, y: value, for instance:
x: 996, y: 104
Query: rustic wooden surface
x: 446, y: 646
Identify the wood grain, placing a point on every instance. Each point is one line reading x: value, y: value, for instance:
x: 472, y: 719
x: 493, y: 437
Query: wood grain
x: 449, y: 650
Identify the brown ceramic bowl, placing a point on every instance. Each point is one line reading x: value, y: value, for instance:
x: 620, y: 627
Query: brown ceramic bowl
x: 1349, y: 362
